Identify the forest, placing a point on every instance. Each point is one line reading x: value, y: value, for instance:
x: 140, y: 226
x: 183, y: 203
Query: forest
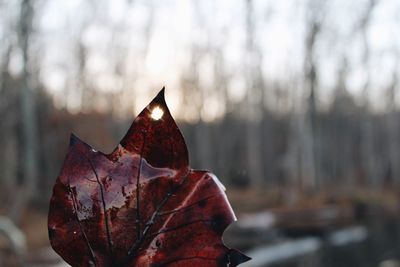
x: 294, y: 105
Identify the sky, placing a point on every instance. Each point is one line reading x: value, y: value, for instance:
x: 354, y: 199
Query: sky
x: 115, y: 34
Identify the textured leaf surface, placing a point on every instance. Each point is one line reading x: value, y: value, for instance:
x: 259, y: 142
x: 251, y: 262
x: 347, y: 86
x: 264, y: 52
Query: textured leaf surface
x: 141, y: 205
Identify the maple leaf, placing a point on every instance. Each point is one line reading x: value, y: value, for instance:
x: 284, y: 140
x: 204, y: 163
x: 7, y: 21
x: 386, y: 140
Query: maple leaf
x: 141, y: 205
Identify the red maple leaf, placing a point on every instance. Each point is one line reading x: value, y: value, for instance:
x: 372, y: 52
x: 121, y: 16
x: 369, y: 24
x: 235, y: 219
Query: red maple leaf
x: 141, y: 205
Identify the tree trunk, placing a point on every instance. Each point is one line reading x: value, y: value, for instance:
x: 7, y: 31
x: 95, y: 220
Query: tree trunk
x: 29, y: 130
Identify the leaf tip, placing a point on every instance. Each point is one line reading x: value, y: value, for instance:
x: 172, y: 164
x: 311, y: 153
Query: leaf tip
x: 73, y: 140
x: 236, y: 257
x: 160, y: 98
x: 158, y: 106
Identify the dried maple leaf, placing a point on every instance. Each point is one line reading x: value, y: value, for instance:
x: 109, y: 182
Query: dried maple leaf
x: 141, y: 205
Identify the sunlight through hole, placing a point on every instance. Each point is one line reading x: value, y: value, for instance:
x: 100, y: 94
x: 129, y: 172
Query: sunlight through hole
x: 157, y: 113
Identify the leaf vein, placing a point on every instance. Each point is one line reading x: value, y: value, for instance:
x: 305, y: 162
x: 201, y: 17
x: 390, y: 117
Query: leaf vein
x: 106, y: 222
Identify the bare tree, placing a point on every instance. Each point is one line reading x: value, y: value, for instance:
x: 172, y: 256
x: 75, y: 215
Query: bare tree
x: 254, y: 101
x: 29, y: 132
x: 308, y: 125
x: 392, y: 124
x: 367, y: 149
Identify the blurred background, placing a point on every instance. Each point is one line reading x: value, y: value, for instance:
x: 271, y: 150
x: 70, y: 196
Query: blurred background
x: 294, y: 105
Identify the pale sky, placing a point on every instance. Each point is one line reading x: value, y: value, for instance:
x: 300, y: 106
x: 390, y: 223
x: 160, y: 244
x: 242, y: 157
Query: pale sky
x: 114, y: 31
